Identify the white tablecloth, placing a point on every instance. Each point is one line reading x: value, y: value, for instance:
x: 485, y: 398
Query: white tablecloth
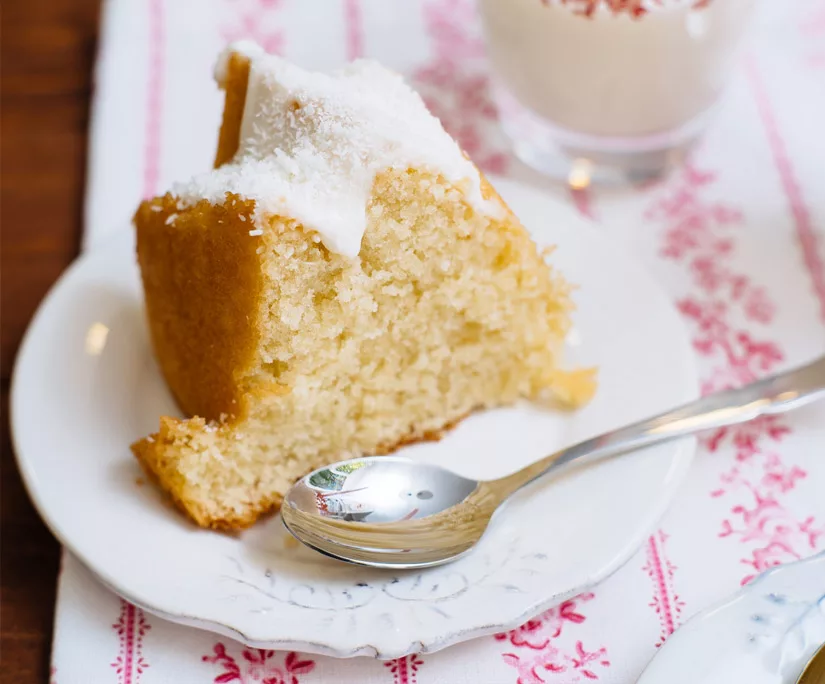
x: 736, y: 238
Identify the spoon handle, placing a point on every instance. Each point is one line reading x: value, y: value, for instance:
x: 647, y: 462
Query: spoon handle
x: 775, y: 394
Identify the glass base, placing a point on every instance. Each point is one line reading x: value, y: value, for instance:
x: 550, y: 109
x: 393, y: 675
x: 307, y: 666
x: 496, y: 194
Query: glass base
x: 581, y: 160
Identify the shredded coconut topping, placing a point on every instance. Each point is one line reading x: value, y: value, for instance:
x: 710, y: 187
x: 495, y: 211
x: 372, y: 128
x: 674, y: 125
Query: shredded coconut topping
x: 312, y: 143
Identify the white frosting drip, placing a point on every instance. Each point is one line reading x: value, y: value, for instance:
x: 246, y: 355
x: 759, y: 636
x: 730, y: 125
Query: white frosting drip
x: 312, y: 143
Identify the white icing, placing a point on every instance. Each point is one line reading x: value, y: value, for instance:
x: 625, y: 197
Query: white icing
x: 312, y: 143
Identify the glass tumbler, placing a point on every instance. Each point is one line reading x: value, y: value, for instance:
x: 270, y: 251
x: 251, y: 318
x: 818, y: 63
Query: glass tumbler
x: 609, y: 91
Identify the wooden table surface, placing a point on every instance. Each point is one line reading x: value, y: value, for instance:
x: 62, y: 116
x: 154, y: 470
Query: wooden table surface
x: 48, y: 50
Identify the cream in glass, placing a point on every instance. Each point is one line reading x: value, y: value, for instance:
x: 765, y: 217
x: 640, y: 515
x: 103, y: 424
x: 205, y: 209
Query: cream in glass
x: 623, y: 85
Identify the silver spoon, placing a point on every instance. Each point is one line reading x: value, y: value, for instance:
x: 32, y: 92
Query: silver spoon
x: 392, y: 512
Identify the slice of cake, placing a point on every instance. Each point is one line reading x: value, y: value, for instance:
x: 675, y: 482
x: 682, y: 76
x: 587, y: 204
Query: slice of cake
x: 343, y: 282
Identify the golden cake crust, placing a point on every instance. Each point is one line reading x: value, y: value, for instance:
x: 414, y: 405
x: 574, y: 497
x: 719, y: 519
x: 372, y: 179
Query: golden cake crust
x: 235, y: 84
x: 201, y: 281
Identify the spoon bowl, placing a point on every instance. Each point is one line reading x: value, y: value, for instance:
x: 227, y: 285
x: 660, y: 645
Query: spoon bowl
x: 388, y: 512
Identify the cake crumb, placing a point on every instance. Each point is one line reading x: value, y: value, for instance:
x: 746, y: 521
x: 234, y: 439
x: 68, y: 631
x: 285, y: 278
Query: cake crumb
x: 139, y: 481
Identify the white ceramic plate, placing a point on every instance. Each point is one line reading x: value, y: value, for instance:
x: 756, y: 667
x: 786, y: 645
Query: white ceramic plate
x: 86, y: 386
x: 763, y: 634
